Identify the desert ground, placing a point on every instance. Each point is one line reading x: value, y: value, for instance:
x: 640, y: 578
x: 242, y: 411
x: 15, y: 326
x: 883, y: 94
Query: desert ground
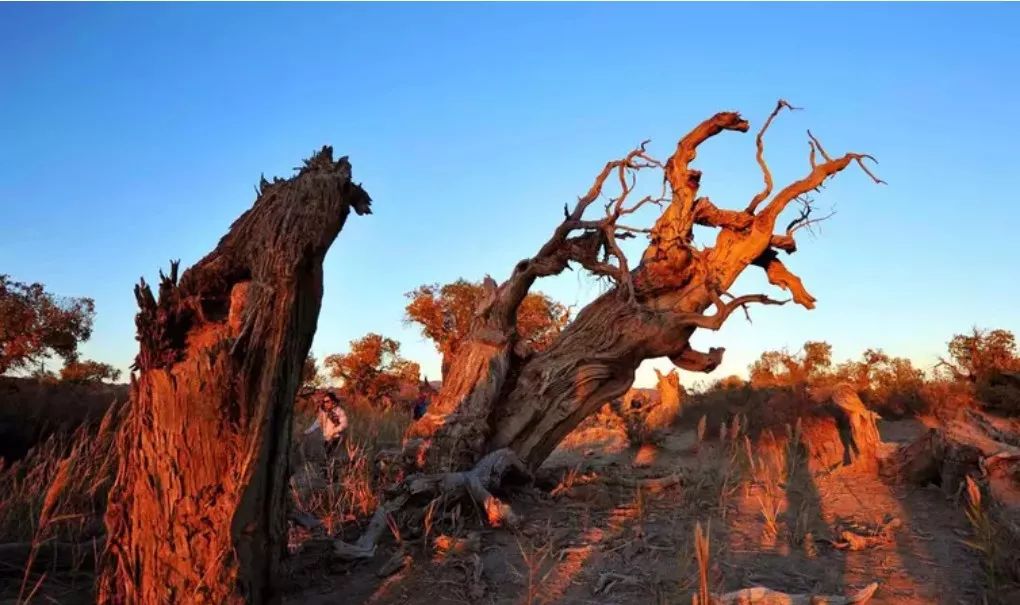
x: 611, y: 521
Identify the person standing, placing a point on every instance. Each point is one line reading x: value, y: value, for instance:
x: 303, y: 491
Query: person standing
x: 421, y: 406
x: 332, y: 420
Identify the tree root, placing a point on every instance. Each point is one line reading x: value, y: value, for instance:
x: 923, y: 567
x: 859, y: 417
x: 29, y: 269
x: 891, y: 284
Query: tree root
x: 364, y: 548
x: 759, y: 595
x: 476, y: 484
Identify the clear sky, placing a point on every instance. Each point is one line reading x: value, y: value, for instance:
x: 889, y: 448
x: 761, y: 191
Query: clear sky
x: 133, y: 134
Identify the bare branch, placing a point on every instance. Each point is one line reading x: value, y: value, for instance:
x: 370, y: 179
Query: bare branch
x: 785, y: 243
x: 816, y: 143
x: 779, y: 275
x: 723, y: 311
x: 560, y: 249
x: 860, y: 162
x: 818, y: 175
x: 708, y: 214
x: 766, y: 174
x: 696, y: 361
x: 805, y: 213
x: 677, y: 171
x: 793, y: 228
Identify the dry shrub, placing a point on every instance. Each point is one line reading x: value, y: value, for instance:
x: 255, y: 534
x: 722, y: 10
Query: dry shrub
x: 994, y: 537
x: 762, y: 409
x: 945, y: 399
x: 1004, y: 398
x: 52, y: 503
x: 827, y: 435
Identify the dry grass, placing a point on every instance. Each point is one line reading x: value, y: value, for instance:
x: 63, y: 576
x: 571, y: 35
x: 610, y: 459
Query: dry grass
x: 702, y: 552
x: 53, y: 501
x: 993, y: 541
x: 58, y: 491
x: 347, y: 488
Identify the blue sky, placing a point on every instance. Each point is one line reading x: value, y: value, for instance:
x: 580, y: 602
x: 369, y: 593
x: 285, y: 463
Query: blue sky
x: 133, y: 134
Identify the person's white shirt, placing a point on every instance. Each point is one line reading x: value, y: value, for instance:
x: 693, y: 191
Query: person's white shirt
x: 332, y: 422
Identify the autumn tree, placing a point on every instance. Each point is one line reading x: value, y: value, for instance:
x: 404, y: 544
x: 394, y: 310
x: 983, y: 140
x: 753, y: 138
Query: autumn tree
x: 89, y: 371
x: 890, y: 384
x: 197, y: 512
x: 981, y: 354
x: 445, y: 314
x: 372, y: 370
x: 36, y: 324
x: 502, y: 411
x: 782, y: 368
x: 729, y: 383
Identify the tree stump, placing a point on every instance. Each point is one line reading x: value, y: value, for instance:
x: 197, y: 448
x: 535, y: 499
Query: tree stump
x: 197, y: 513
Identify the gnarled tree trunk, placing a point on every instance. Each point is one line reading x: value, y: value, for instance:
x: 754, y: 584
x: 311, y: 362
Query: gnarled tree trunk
x: 197, y: 512
x: 497, y: 396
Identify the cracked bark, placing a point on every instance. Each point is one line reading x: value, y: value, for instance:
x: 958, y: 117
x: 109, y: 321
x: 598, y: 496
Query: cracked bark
x: 197, y: 513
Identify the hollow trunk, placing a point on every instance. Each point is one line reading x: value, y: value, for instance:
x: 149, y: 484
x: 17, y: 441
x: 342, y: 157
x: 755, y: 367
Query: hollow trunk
x: 197, y: 513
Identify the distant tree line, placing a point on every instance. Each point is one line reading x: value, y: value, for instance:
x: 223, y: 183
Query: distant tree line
x: 37, y: 326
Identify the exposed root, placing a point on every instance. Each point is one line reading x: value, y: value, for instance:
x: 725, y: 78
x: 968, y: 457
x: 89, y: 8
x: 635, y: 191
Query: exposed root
x: 476, y: 483
x: 364, y: 548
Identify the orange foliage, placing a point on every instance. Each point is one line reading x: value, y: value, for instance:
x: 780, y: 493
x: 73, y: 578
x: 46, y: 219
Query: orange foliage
x: 445, y: 313
x: 35, y: 324
x: 982, y: 354
x: 782, y: 368
x: 373, y: 370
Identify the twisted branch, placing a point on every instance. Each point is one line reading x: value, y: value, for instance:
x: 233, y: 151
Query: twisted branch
x: 766, y: 173
x: 722, y: 313
x: 779, y: 275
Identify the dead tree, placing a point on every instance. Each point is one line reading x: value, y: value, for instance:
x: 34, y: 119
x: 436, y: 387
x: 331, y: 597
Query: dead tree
x: 497, y: 395
x: 197, y: 512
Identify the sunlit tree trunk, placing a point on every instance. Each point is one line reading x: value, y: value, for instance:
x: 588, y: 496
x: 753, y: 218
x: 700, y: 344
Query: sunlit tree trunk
x: 198, y: 510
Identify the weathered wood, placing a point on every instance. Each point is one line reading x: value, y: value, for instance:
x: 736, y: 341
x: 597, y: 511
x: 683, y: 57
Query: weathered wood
x: 198, y: 510
x: 759, y: 595
x: 493, y: 397
x: 474, y: 483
